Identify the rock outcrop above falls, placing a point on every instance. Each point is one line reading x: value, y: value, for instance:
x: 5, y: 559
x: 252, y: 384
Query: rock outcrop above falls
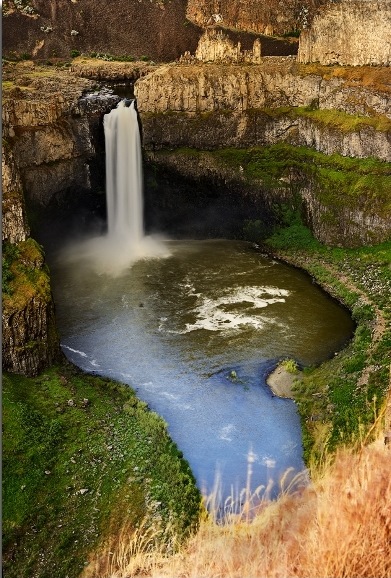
x: 351, y: 32
x: 251, y: 15
x: 211, y: 106
x: 51, y: 120
x: 276, y: 82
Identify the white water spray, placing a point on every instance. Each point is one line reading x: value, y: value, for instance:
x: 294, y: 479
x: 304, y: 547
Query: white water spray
x: 125, y: 241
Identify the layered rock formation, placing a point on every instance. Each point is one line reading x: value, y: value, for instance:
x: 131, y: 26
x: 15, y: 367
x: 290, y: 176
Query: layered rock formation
x: 30, y: 340
x: 14, y: 223
x: 51, y: 130
x: 332, y: 111
x: 352, y: 32
x: 277, y: 100
x: 216, y: 46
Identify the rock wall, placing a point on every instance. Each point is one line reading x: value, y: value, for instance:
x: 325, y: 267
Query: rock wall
x: 209, y: 107
x: 14, y: 224
x: 263, y: 180
x: 276, y: 82
x: 30, y: 340
x: 351, y: 32
x: 51, y: 129
x: 214, y: 106
x: 49, y: 143
x: 216, y: 46
x: 154, y: 29
x: 29, y: 337
x: 220, y: 129
x: 344, y: 225
x: 224, y: 45
x: 261, y: 17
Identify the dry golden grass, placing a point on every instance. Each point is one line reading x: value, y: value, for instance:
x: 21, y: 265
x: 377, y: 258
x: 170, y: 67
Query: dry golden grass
x: 339, y: 527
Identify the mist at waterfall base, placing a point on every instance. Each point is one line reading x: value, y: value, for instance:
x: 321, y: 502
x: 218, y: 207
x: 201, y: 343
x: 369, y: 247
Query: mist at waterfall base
x: 125, y: 241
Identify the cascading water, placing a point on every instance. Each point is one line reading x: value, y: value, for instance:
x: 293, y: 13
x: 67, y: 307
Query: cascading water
x: 124, y: 175
x: 125, y: 241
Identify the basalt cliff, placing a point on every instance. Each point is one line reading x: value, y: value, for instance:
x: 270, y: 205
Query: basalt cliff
x: 237, y: 127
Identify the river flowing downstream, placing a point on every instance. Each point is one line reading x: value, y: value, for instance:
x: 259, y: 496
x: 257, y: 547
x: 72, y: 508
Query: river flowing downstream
x: 195, y: 334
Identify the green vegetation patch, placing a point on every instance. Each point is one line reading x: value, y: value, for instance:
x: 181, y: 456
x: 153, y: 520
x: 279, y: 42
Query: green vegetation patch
x: 25, y: 274
x: 342, y: 121
x: 80, y: 455
x: 332, y: 118
x: 337, y: 180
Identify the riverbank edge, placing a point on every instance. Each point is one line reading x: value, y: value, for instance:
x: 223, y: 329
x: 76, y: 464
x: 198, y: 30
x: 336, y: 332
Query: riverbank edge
x: 282, y: 382
x: 315, y: 426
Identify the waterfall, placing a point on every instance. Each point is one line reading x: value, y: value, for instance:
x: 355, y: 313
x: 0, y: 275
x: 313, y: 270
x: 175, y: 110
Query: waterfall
x: 124, y: 182
x: 125, y: 241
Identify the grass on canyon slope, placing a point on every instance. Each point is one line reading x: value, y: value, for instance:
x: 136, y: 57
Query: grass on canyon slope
x: 339, y: 400
x: 337, y: 181
x: 24, y: 274
x: 80, y: 454
x: 332, y: 118
x: 299, y: 535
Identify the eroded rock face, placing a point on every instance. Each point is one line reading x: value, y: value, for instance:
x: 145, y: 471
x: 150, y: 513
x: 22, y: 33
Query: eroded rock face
x: 277, y: 82
x: 353, y: 32
x: 243, y: 106
x: 344, y: 226
x: 51, y: 127
x: 260, y: 128
x: 30, y: 340
x: 48, y: 128
x: 334, y: 220
x: 154, y: 29
x: 14, y: 224
x: 209, y: 106
x: 262, y: 17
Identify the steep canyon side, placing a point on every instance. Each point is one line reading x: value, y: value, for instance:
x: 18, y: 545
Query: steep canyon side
x: 251, y: 15
x: 352, y: 33
x: 314, y: 121
x: 30, y: 340
x: 50, y: 138
x: 153, y: 29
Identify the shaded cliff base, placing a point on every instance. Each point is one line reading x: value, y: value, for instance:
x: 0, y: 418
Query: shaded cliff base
x: 344, y: 201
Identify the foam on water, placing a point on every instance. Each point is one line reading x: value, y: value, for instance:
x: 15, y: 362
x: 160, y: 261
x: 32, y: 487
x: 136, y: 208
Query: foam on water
x: 231, y: 311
